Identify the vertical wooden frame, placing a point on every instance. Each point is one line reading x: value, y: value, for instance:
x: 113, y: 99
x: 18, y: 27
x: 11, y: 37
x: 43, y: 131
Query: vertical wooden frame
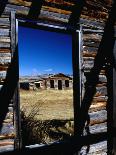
x: 77, y: 91
x: 16, y: 103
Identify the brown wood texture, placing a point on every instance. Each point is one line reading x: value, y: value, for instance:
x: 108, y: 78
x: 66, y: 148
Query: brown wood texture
x: 92, y: 20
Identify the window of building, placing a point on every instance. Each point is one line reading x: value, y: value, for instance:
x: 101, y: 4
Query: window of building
x: 44, y: 53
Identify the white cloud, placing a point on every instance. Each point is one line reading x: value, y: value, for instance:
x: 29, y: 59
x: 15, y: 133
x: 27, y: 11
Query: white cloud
x: 48, y: 70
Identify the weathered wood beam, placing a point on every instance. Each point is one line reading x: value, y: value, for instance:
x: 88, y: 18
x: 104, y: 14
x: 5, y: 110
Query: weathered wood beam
x: 5, y: 51
x: 62, y: 5
x: 98, y: 117
x: 99, y: 148
x: 4, y: 32
x: 3, y: 68
x: 75, y: 14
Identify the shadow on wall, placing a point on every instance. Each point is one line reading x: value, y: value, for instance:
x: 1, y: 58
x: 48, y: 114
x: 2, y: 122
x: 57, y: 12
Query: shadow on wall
x: 9, y: 87
x: 105, y: 58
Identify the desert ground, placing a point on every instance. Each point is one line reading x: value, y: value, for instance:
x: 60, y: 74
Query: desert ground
x: 48, y: 115
x: 48, y: 104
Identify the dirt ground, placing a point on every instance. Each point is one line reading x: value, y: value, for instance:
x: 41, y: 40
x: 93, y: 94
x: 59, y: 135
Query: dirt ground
x: 47, y: 104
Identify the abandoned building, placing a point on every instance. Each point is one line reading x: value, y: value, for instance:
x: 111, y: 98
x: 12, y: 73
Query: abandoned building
x: 57, y: 81
x: 94, y: 49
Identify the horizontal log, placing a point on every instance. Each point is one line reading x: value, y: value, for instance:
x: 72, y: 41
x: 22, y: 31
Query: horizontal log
x: 3, y: 68
x: 7, y: 148
x: 98, y: 117
x: 4, y: 32
x: 56, y: 4
x: 102, y: 78
x: 7, y: 131
x: 2, y: 74
x: 4, y: 45
x: 95, y: 149
x: 92, y: 37
x: 88, y: 58
x: 3, y: 55
x: 85, y: 30
x: 89, y: 54
x: 92, y: 23
x: 25, y: 11
x: 4, y: 39
x: 4, y: 50
x: 97, y: 106
x: 91, y: 43
x: 9, y: 116
x: 102, y: 91
x: 63, y: 8
x: 5, y: 60
x: 97, y: 128
x: 10, y: 136
x: 4, y: 21
x: 6, y: 143
x: 8, y: 120
x: 90, y: 49
x: 100, y: 99
x: 10, y: 109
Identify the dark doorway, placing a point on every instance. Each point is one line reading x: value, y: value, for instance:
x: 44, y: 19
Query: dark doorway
x: 51, y: 83
x: 37, y: 85
x: 66, y: 83
x: 24, y: 85
x: 60, y: 84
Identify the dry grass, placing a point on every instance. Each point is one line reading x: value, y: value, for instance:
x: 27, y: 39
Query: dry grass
x: 46, y: 115
x: 51, y: 104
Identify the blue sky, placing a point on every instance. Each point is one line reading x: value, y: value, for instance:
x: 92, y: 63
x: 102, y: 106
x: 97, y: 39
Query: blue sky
x: 44, y: 52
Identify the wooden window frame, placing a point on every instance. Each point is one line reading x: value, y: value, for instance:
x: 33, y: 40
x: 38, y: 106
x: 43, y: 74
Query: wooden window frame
x: 76, y: 57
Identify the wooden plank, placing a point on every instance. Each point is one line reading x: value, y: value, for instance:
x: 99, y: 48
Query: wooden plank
x: 91, y: 43
x: 95, y: 149
x: 44, y: 14
x: 3, y: 68
x: 97, y: 128
x: 53, y: 4
x: 98, y: 117
x: 4, y: 32
x: 100, y: 98
x: 102, y: 78
x: 6, y: 142
x: 2, y: 74
x: 16, y: 103
x: 4, y: 39
x: 89, y: 54
x: 97, y: 107
x: 7, y: 145
x: 5, y: 50
x: 7, y: 131
x: 90, y: 49
x: 92, y: 23
x: 4, y: 45
x: 101, y: 90
x: 4, y: 21
x: 7, y: 55
x: 85, y: 30
x: 92, y: 37
x: 5, y: 60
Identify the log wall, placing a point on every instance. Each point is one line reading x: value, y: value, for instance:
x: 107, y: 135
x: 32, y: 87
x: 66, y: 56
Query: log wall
x: 93, y: 17
x: 7, y: 133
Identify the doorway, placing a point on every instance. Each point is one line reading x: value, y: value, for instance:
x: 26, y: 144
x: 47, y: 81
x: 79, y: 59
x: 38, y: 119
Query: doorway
x: 60, y: 84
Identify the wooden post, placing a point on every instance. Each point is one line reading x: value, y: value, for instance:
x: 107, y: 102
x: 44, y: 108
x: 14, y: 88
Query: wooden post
x: 16, y: 102
x: 76, y: 77
x: 114, y: 98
